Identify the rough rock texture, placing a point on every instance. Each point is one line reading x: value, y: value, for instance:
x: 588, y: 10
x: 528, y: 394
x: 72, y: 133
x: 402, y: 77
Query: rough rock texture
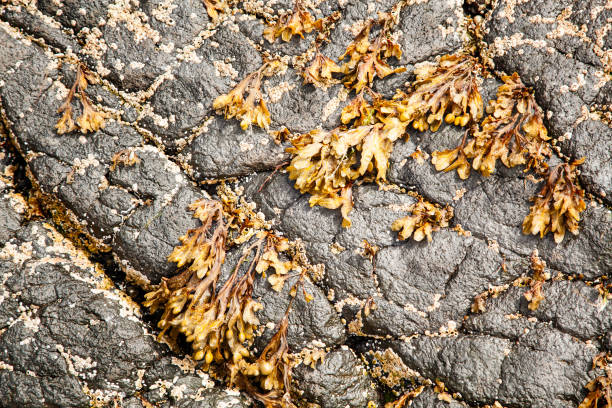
x: 339, y: 381
x: 562, y: 49
x: 71, y: 336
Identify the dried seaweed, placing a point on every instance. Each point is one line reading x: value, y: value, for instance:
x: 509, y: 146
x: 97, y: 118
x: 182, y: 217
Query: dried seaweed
x: 213, y: 7
x: 558, y: 206
x: 326, y: 163
x: 125, y: 157
x: 367, y: 59
x: 90, y: 119
x: 220, y: 322
x: 600, y: 388
x: 320, y: 71
x: 251, y: 110
x: 535, y: 295
x: 425, y: 218
x: 442, y: 392
x: 296, y: 22
x: 406, y: 398
x: 513, y: 132
x: 445, y: 91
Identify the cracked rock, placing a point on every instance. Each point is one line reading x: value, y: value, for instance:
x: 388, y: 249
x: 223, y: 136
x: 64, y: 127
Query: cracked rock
x: 88, y: 218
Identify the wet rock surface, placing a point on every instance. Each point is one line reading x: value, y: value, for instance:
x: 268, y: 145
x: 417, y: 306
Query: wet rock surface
x: 82, y: 229
x: 536, y: 39
x: 70, y: 337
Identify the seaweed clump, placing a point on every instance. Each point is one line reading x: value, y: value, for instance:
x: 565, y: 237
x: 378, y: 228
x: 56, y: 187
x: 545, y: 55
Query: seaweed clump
x: 425, y: 218
x: 296, y: 22
x: 513, y: 132
x: 558, y: 206
x: 325, y: 164
x: 220, y: 322
x: 367, y: 59
x: 90, y: 119
x: 600, y: 388
x: 251, y: 110
x: 445, y: 91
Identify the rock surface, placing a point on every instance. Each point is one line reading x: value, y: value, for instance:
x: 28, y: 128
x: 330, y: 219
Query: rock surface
x: 81, y: 236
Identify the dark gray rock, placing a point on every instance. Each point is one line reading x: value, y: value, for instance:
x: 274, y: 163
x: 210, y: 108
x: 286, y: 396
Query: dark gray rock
x: 74, y: 339
x: 225, y: 150
x: 572, y: 307
x: 69, y: 338
x: 543, y: 368
x: 183, y: 101
x: 339, y: 381
x: 12, y: 207
x: 134, y: 43
x: 540, y: 41
x: 301, y: 108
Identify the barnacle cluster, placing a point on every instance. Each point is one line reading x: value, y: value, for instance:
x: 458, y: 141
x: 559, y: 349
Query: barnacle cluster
x: 219, y: 322
x: 558, y: 206
x: 296, y: 22
x: 600, y: 388
x: 251, y: 110
x: 90, y: 119
x: 513, y: 132
x: 425, y: 218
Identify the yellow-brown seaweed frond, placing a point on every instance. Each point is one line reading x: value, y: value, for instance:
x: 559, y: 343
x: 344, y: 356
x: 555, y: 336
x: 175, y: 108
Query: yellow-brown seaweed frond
x: 90, y: 119
x: 445, y: 91
x: 326, y: 163
x: 220, y: 323
x: 253, y: 109
x: 513, y: 132
x: 213, y: 7
x: 368, y: 59
x: 600, y: 388
x: 558, y: 206
x: 320, y: 70
x: 125, y: 157
x: 405, y: 398
x: 425, y: 218
x: 296, y: 22
x: 535, y: 294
